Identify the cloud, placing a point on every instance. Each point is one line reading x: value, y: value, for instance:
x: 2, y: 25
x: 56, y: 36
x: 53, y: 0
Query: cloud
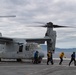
x: 27, y: 12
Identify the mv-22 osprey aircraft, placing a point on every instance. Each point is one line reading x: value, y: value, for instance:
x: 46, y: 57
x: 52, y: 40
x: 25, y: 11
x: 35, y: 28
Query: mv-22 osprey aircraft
x: 24, y: 48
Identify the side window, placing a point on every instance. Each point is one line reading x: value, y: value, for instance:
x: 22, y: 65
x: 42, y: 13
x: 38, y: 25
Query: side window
x: 27, y: 48
x: 20, y: 48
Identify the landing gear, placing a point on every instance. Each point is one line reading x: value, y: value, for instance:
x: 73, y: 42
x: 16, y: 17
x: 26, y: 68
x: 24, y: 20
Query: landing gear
x: 19, y: 60
x: 38, y: 61
x: 33, y: 61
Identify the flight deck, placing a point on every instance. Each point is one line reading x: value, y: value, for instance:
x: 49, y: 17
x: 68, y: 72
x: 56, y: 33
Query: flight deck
x: 27, y: 68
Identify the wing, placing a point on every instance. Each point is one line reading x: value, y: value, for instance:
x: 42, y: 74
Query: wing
x: 36, y: 40
x: 39, y: 40
x: 5, y: 40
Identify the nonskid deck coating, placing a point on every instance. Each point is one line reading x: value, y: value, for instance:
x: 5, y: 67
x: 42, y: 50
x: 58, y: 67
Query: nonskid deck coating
x: 27, y: 68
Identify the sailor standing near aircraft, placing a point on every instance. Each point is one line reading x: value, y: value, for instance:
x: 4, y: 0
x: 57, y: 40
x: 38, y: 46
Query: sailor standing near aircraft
x: 49, y: 58
x: 72, y: 59
x: 61, y: 57
x: 36, y: 57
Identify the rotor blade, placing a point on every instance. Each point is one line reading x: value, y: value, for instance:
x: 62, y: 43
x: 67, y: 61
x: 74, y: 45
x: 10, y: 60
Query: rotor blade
x: 33, y: 26
x: 49, y: 26
x: 7, y: 16
x: 40, y: 22
x: 57, y: 26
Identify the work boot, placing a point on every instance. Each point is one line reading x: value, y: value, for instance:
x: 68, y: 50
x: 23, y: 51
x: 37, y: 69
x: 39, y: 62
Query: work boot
x: 47, y: 63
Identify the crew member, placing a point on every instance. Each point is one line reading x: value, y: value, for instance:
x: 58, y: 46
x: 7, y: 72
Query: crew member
x: 72, y: 59
x: 61, y: 57
x: 49, y: 57
x: 36, y: 57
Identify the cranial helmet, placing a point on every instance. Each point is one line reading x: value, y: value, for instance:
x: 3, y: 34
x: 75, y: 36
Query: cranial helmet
x: 62, y: 52
x: 49, y: 51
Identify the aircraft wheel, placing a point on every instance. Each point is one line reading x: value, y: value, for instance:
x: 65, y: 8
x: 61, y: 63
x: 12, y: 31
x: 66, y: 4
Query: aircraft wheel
x: 33, y: 61
x: 40, y: 59
x: 19, y: 60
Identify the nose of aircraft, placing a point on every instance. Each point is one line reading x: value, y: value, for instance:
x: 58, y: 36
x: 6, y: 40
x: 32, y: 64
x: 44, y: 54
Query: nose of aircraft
x: 40, y: 53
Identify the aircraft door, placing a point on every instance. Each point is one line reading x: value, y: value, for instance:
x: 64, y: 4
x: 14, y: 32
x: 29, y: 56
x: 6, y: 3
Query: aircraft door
x: 21, y: 48
x: 28, y: 51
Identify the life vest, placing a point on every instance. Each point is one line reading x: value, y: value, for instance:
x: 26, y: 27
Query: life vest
x: 61, y: 55
x: 49, y: 55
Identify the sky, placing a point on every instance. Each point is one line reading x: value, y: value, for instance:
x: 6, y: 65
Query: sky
x: 28, y: 12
